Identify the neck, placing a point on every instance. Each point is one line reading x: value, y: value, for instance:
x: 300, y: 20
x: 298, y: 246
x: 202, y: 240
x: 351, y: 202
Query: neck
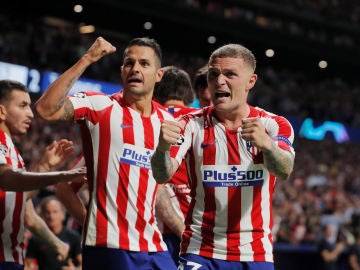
x: 4, y: 128
x: 233, y: 119
x: 141, y: 104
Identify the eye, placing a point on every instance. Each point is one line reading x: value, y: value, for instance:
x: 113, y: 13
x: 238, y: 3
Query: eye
x: 145, y: 64
x: 230, y: 74
x: 128, y: 63
x: 212, y: 74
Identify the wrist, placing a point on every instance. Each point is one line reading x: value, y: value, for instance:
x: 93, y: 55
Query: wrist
x: 163, y: 147
x: 44, y: 167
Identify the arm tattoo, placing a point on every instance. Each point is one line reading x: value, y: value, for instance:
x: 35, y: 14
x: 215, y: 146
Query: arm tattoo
x: 46, y: 235
x: 162, y: 166
x: 68, y: 110
x: 166, y: 212
x: 279, y: 162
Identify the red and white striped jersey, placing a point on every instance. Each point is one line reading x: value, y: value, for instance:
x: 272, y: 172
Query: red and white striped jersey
x: 12, y: 207
x: 178, y: 185
x: 118, y: 145
x: 230, y: 214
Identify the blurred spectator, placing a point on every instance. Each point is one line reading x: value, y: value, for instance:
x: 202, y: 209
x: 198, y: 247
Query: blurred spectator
x: 331, y: 248
x: 354, y: 253
x: 53, y: 212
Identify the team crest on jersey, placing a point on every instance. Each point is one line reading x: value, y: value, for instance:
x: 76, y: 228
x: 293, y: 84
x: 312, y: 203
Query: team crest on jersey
x: 252, y: 149
x: 4, y: 150
x: 80, y: 95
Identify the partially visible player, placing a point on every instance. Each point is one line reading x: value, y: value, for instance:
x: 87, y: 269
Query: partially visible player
x: 174, y: 92
x: 15, y: 119
x: 201, y: 87
x: 74, y: 196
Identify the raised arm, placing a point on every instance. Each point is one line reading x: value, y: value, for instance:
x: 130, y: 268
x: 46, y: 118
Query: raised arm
x: 53, y: 104
x: 162, y: 165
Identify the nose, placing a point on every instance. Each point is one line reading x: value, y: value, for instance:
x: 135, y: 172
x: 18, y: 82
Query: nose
x: 220, y: 79
x: 30, y: 113
x: 136, y: 66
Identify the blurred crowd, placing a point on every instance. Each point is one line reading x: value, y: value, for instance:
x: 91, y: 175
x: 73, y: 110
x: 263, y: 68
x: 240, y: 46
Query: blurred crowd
x: 300, y: 18
x: 325, y: 186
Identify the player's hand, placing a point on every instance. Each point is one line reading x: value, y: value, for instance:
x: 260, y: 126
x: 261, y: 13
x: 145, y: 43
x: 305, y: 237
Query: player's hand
x: 254, y: 131
x: 76, y: 175
x: 98, y: 49
x: 70, y: 265
x: 170, y: 134
x: 56, y: 154
x: 62, y: 251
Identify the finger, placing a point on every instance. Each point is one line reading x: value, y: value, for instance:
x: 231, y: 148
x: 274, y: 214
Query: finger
x: 52, y: 145
x: 65, y: 143
x: 182, y: 124
x: 70, y: 262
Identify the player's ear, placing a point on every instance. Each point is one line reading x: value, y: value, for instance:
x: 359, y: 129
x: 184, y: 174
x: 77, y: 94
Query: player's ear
x: 251, y: 82
x: 3, y: 112
x: 159, y: 74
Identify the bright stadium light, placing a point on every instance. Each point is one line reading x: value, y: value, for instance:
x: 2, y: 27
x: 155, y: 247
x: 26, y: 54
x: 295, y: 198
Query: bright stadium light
x: 78, y: 8
x: 87, y: 29
x: 269, y: 52
x: 211, y: 39
x: 323, y: 64
x: 148, y: 25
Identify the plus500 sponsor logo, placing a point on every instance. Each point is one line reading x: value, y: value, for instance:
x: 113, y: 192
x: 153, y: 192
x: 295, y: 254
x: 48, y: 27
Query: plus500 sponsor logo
x: 214, y: 175
x: 133, y: 156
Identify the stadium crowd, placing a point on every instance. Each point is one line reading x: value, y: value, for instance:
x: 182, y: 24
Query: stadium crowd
x: 289, y: 17
x: 325, y: 185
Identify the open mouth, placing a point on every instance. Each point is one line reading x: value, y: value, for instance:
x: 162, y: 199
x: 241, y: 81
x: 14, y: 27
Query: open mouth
x: 221, y: 95
x: 134, y: 80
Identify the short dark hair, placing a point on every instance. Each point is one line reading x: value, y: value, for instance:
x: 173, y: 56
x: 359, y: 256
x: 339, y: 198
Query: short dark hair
x: 6, y: 88
x: 147, y: 42
x: 200, y: 78
x: 235, y: 51
x: 175, y: 84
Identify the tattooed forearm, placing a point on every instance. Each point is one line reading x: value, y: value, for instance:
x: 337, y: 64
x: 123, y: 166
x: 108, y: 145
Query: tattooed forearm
x: 279, y: 162
x: 45, y: 234
x: 166, y: 212
x: 162, y: 166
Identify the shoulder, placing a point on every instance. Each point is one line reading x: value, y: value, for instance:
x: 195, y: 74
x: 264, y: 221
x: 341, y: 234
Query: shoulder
x: 161, y: 111
x: 84, y: 94
x: 5, y: 143
x: 281, y: 120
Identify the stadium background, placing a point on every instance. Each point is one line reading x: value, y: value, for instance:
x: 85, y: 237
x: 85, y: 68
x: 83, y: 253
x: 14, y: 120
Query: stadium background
x: 322, y: 103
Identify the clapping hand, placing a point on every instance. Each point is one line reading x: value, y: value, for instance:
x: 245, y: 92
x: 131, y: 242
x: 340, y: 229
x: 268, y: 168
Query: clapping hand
x: 56, y: 154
